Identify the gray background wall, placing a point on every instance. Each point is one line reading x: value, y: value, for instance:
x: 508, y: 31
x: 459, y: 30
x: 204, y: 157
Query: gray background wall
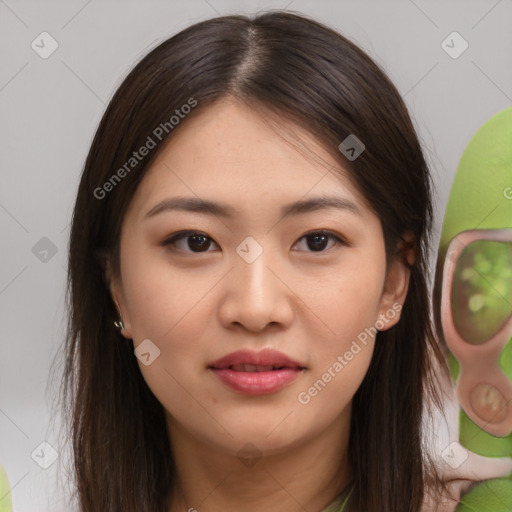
x: 50, y: 108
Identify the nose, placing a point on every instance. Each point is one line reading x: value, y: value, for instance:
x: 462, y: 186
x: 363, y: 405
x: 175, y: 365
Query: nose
x: 256, y: 295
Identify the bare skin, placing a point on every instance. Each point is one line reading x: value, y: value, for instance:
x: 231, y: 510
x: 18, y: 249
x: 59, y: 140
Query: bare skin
x: 199, y: 305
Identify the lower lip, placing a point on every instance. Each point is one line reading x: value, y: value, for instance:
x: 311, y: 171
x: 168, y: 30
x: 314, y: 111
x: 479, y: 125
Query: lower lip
x: 257, y: 383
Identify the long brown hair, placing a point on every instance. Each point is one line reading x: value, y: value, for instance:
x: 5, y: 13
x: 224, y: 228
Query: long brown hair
x: 315, y: 77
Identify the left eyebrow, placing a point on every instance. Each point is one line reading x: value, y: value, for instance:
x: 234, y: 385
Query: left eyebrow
x: 197, y: 205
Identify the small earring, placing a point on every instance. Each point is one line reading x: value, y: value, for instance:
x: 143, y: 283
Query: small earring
x: 119, y: 324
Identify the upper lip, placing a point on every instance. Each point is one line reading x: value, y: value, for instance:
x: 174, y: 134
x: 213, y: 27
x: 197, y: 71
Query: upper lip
x: 265, y: 357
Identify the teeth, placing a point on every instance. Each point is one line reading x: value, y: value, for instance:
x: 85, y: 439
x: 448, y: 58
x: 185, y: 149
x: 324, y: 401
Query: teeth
x: 265, y: 368
x: 252, y: 368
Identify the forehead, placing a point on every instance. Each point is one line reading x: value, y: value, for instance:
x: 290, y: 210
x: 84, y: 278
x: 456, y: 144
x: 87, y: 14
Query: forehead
x: 230, y: 153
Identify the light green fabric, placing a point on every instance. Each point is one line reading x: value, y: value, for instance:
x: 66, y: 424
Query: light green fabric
x: 5, y: 492
x: 338, y: 505
x: 335, y: 506
x: 489, y: 496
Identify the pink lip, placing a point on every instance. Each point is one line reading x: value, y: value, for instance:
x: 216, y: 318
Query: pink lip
x: 262, y: 358
x: 257, y: 383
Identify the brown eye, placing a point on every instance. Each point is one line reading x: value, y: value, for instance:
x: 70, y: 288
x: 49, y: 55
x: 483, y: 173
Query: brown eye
x: 317, y: 241
x: 190, y: 241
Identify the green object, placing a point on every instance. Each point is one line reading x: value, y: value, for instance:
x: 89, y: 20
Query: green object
x: 5, y: 492
x: 339, y: 504
x: 490, y: 496
x: 482, y: 296
x: 481, y: 199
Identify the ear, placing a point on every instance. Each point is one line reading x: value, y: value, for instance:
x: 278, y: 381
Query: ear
x: 396, y: 283
x: 115, y: 287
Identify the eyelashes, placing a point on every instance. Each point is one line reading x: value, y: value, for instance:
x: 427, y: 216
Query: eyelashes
x: 201, y: 240
x: 191, y: 240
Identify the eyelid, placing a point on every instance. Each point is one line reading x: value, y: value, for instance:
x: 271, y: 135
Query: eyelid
x: 321, y: 231
x: 184, y: 234
x: 339, y: 239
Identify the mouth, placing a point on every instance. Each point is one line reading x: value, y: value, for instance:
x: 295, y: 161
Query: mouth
x: 256, y: 373
x: 250, y: 361
x: 256, y: 368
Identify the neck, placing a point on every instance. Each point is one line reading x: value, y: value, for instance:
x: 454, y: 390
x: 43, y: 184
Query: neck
x: 308, y: 476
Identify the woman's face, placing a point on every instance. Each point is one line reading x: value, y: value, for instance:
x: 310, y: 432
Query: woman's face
x: 252, y: 279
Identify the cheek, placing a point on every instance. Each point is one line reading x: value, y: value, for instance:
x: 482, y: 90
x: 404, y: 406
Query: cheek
x: 347, y: 301
x: 161, y: 298
x: 173, y: 311
x: 348, y: 306
x: 341, y: 358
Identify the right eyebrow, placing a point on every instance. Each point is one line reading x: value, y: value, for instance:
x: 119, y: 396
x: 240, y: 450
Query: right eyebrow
x: 197, y: 205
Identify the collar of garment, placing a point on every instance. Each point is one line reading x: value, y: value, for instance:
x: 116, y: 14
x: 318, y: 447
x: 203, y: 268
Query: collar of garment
x: 340, y: 502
